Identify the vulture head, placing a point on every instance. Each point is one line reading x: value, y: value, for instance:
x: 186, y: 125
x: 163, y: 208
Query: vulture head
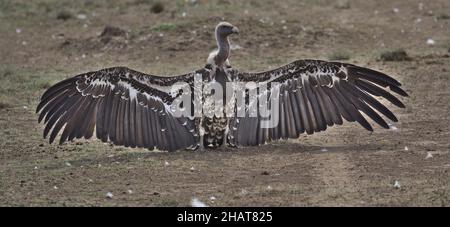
x: 219, y: 57
x: 224, y: 29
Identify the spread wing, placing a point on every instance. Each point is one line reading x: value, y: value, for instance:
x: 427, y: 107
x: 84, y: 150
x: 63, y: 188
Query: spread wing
x: 314, y: 95
x: 124, y: 106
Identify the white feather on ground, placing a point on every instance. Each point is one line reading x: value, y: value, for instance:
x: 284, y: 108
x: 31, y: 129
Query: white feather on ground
x: 397, y: 184
x: 109, y: 195
x: 197, y: 203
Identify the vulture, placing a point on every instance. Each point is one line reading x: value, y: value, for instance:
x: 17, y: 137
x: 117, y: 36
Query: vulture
x: 134, y: 109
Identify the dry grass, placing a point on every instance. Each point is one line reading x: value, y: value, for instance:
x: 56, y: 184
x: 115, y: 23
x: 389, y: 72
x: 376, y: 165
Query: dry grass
x: 394, y: 55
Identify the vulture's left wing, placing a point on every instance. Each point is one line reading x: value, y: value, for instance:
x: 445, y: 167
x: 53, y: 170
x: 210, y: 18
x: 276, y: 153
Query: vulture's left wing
x: 313, y: 95
x: 124, y: 106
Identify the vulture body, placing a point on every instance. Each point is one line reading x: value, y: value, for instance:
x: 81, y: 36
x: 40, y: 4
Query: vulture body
x: 133, y: 109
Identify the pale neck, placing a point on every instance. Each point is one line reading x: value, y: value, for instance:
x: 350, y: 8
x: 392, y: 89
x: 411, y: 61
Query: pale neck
x: 224, y: 49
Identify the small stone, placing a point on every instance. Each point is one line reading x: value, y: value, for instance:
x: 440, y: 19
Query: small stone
x: 429, y: 155
x: 64, y: 15
x: 18, y: 30
x: 394, y: 55
x: 421, y: 6
x: 81, y: 16
x: 111, y: 31
x: 430, y: 42
x: 395, y: 10
x: 197, y: 203
x: 166, y: 163
x: 406, y: 148
x: 235, y: 47
x: 68, y: 164
x: 157, y: 7
x: 192, y: 168
x: 109, y: 195
x: 55, y: 187
x: 397, y: 184
x: 129, y: 191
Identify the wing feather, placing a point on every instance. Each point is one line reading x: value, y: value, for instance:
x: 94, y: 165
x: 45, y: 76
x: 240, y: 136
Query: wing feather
x: 123, y: 106
x: 319, y: 94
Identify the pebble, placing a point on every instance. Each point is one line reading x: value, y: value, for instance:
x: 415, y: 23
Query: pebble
x: 397, y: 184
x: 109, y: 195
x: 82, y: 16
x: 197, y: 203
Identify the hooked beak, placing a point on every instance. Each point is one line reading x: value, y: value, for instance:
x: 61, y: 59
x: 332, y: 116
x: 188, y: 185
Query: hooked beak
x: 235, y: 30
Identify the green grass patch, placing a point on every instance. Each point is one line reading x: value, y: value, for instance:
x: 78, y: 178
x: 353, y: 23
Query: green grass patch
x: 394, y: 55
x: 4, y: 104
x: 443, y: 16
x: 164, y: 27
x: 23, y: 86
x: 167, y: 202
x: 339, y: 56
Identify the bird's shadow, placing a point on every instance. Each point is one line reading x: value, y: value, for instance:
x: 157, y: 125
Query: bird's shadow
x: 223, y: 153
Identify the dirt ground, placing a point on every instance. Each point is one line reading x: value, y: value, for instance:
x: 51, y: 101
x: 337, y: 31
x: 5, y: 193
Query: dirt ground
x: 42, y: 42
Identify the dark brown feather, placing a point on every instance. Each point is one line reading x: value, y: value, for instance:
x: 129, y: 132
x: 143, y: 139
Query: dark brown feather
x: 377, y: 91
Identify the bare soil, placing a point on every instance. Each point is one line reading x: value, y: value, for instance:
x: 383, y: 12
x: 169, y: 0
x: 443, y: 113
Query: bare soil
x: 44, y: 41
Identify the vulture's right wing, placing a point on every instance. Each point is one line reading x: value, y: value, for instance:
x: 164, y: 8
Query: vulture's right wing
x: 124, y: 106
